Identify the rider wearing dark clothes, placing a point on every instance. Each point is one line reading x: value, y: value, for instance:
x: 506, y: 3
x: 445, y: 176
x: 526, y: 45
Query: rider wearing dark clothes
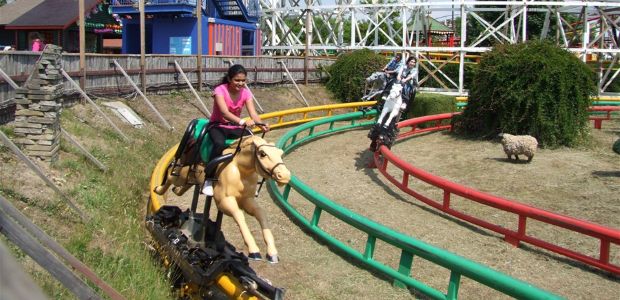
x: 391, y: 70
x: 230, y: 98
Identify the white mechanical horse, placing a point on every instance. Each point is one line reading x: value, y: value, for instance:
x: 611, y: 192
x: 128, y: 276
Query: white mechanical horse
x: 384, y: 132
x: 392, y: 106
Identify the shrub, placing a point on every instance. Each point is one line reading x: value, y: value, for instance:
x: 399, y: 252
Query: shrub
x: 616, y: 146
x: 431, y: 104
x: 349, y: 72
x: 533, y: 88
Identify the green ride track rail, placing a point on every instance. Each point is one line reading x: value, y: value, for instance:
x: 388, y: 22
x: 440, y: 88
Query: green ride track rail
x: 409, y: 247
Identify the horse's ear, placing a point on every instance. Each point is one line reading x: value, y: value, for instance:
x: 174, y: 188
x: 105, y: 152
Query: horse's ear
x: 257, y: 141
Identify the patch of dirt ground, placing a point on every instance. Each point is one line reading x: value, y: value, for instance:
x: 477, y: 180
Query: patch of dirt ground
x: 582, y: 183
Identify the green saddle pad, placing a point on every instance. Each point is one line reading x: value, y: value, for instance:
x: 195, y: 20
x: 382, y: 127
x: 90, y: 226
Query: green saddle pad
x: 207, y: 145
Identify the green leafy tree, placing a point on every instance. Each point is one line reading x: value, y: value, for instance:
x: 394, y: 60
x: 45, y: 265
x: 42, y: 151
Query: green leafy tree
x: 349, y: 72
x: 533, y: 88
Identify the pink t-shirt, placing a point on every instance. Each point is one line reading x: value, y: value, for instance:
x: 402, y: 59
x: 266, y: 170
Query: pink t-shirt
x: 234, y: 106
x: 37, y: 45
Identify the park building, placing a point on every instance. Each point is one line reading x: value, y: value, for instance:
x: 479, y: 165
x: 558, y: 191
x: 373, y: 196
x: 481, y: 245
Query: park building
x: 229, y: 27
x: 56, y: 22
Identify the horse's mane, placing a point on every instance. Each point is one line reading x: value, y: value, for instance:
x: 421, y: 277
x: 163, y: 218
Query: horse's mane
x: 246, y: 141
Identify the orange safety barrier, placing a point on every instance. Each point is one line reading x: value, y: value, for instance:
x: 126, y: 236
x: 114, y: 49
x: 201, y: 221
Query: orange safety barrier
x: 605, y: 236
x: 598, y: 120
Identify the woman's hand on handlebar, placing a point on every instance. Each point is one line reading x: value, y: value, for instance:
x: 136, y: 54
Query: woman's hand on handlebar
x: 249, y: 123
x: 263, y: 126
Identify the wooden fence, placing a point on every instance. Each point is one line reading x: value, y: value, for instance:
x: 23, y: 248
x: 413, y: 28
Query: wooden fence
x: 103, y: 77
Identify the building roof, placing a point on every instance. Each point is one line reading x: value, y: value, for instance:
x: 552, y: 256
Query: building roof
x: 435, y: 26
x: 48, y: 14
x: 11, y: 11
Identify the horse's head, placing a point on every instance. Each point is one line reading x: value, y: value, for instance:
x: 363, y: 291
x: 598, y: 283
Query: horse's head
x: 376, y: 76
x: 269, y: 161
x: 396, y: 91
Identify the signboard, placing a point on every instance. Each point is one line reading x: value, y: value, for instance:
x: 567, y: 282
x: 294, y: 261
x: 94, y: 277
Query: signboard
x: 180, y: 45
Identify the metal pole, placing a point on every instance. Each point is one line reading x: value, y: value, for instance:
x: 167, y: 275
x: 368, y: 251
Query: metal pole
x: 48, y: 242
x: 7, y: 142
x: 142, y: 46
x: 82, y: 45
x: 353, y: 28
x: 19, y: 285
x: 142, y: 95
x: 93, y: 103
x: 586, y: 34
x: 199, y: 47
x: 45, y: 259
x: 308, y: 40
x: 83, y: 150
x: 8, y: 79
x: 524, y: 29
x: 462, y: 52
x: 294, y: 83
x: 206, y: 111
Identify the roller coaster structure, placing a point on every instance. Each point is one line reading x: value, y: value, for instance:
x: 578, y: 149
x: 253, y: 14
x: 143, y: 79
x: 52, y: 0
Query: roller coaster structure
x: 590, y: 29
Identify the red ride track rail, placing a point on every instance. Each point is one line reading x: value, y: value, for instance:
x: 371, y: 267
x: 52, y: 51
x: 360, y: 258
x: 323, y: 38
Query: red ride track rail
x: 605, y: 235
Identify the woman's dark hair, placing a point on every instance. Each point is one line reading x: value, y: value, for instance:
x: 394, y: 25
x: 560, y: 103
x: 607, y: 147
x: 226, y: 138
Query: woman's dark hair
x: 232, y: 71
x: 410, y: 58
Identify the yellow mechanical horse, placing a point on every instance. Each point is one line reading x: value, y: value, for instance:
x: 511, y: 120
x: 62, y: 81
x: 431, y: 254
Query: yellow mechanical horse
x: 235, y: 188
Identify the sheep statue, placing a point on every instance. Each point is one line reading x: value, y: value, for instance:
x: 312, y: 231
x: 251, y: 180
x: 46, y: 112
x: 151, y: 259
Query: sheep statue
x: 519, y: 144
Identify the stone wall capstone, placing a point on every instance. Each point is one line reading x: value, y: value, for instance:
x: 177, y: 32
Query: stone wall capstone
x: 38, y: 106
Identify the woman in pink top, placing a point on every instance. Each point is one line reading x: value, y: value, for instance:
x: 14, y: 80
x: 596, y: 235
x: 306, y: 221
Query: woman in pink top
x: 37, y: 45
x: 226, y: 122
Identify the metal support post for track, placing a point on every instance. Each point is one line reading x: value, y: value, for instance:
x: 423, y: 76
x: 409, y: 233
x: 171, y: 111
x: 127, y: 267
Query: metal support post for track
x: 49, y: 243
x: 135, y: 87
x: 44, y: 258
x: 8, y: 79
x: 462, y: 53
x: 206, y: 111
x: 40, y: 173
x: 83, y: 150
x: 260, y: 108
x: 93, y: 103
x: 294, y: 83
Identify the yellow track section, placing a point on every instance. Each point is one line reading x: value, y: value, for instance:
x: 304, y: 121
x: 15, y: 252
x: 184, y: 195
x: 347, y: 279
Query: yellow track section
x: 228, y: 284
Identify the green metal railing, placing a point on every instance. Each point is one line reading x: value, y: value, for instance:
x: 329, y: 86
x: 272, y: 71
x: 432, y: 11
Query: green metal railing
x: 408, y: 246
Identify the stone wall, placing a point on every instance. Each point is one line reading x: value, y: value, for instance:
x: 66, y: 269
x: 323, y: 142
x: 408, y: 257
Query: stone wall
x: 38, y: 107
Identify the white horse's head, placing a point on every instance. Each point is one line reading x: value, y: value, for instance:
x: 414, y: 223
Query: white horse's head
x: 395, y: 92
x: 376, y: 76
